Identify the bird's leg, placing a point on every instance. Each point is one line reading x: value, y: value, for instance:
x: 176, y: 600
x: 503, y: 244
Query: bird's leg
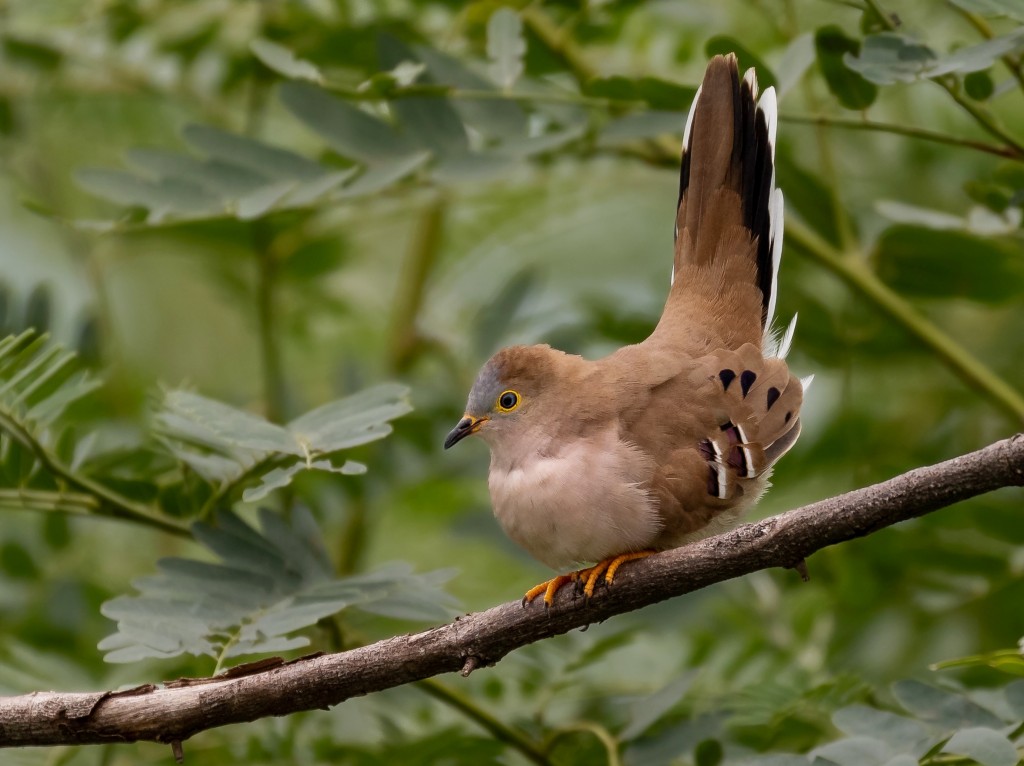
x: 608, y: 568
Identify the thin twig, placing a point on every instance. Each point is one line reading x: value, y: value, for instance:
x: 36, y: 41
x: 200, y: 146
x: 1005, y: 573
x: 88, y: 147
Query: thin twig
x: 510, y: 736
x: 108, y: 502
x: 904, y: 130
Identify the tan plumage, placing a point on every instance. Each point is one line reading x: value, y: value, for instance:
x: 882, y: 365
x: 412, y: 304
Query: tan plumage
x: 668, y: 440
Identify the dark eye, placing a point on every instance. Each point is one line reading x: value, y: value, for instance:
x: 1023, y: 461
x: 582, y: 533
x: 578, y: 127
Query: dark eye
x: 509, y: 400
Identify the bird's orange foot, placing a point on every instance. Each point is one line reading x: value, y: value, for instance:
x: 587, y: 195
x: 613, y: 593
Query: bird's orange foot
x: 589, y: 578
x: 549, y: 588
x: 585, y: 579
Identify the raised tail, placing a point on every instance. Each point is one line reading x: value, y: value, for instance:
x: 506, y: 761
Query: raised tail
x: 729, y: 216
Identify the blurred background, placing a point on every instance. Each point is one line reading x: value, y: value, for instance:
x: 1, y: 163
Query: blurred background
x: 235, y: 213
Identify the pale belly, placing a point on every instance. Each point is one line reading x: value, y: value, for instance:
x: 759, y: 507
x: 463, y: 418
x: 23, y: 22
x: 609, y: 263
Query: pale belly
x: 581, y: 506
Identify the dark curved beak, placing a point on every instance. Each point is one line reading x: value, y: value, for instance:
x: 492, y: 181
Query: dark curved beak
x: 466, y: 427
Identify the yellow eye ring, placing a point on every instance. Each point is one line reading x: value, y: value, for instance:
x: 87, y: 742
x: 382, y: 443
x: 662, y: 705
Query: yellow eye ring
x: 508, y: 401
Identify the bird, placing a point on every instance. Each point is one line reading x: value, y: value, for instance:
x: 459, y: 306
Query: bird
x: 595, y: 463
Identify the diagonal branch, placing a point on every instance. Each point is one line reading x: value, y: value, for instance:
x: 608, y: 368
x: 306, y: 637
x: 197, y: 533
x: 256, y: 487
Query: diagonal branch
x: 179, y: 709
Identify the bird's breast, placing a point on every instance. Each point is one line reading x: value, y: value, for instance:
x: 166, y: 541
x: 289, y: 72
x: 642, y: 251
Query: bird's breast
x: 584, y: 503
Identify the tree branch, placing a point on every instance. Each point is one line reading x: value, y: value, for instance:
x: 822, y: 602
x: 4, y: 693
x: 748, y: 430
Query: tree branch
x: 177, y: 710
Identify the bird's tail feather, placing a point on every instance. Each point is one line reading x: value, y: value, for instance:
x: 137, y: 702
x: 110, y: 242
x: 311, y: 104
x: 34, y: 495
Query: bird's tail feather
x: 727, y: 178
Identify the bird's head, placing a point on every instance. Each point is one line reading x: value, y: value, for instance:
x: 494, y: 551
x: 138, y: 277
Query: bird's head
x: 513, y: 396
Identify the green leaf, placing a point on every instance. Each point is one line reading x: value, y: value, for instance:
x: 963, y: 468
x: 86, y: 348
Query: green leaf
x: 432, y: 122
x: 655, y: 92
x: 354, y: 420
x: 171, y: 196
x: 901, y: 212
x: 850, y: 88
x: 1007, y: 660
x: 987, y: 747
x: 945, y: 709
x: 976, y: 58
x: 645, y: 712
x: 16, y: 562
x: 283, y: 61
x: 899, y: 733
x: 640, y: 125
x: 255, y: 156
x: 1015, y: 694
x: 855, y: 751
x: 348, y: 130
x: 232, y: 448
x: 280, y: 477
x: 889, y: 57
x: 941, y: 264
x: 798, y: 58
x: 720, y: 45
x: 216, y: 176
x: 505, y: 47
x: 267, y: 585
x: 383, y: 174
x: 495, y: 117
x: 38, y: 381
x: 979, y: 85
x: 902, y: 760
x: 708, y: 753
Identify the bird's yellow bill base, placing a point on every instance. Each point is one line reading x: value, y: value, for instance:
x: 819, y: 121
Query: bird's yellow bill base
x: 585, y: 579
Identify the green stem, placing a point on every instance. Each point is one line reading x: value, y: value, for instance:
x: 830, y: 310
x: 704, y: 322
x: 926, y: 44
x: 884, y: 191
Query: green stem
x: 108, y: 502
x: 558, y: 42
x: 828, y: 170
x: 472, y: 94
x: 602, y: 734
x: 405, y: 339
x: 903, y: 130
x: 951, y: 85
x: 856, y: 273
x: 74, y: 504
x: 270, y: 353
x: 510, y: 736
x: 353, y: 537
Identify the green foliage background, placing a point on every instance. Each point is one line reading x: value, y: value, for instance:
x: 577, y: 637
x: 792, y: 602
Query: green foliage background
x: 242, y: 213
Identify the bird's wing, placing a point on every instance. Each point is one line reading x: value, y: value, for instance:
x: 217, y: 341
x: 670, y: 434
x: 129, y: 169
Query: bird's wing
x: 714, y: 431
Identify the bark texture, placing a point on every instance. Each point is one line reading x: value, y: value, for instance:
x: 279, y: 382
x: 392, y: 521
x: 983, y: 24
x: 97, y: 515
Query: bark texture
x: 175, y: 711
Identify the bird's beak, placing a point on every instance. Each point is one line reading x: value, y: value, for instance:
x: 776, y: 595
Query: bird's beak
x: 466, y: 427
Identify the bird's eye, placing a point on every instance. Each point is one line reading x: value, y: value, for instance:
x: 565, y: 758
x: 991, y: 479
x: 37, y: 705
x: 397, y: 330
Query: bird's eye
x: 508, y: 401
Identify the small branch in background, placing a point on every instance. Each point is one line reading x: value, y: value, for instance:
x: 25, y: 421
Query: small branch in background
x: 1007, y: 152
x: 989, y: 123
x: 507, y: 734
x: 558, y: 42
x: 420, y: 262
x: 274, y: 391
x: 352, y: 542
x: 180, y: 709
x: 103, y: 500
x: 969, y: 368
